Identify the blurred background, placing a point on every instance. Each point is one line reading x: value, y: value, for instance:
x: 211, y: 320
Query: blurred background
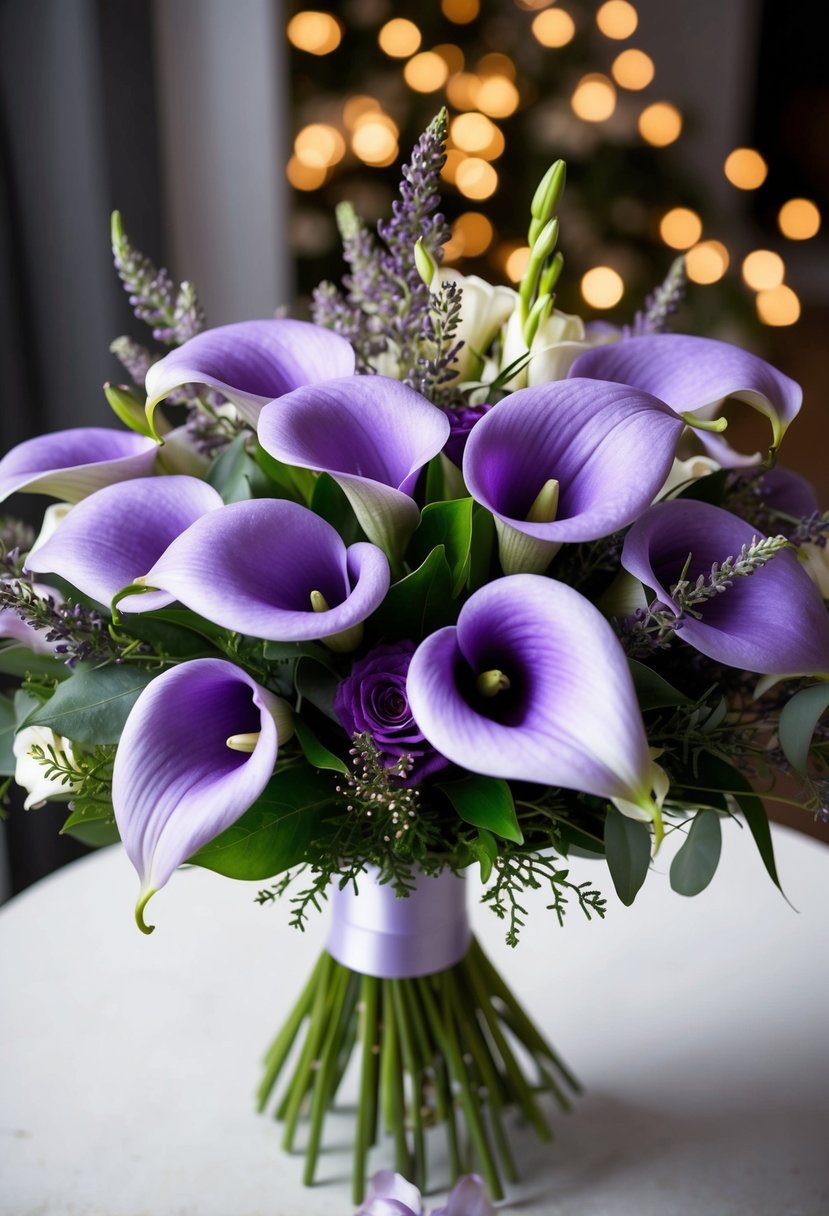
x: 227, y: 130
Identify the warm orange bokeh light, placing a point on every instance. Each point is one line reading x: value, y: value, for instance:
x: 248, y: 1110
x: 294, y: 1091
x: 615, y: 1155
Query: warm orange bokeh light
x: 473, y: 232
x: 426, y: 72
x: 515, y: 263
x: 460, y: 11
x: 375, y: 140
x: 496, y: 64
x: 304, y: 177
x: 594, y: 98
x: 475, y: 178
x: 778, y: 306
x: 617, y: 19
x: 680, y: 228
x: 399, y: 38
x: 799, y: 219
x: 497, y: 96
x: 314, y: 32
x: 706, y: 262
x: 745, y: 168
x: 763, y: 269
x: 602, y: 287
x: 319, y: 145
x: 660, y: 124
x: 633, y: 69
x: 554, y: 27
x: 357, y: 107
x: 475, y: 133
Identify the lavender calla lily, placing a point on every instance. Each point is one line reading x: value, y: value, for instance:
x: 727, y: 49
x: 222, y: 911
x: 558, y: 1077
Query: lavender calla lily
x: 72, y: 464
x: 116, y: 534
x: 271, y: 569
x: 533, y: 685
x: 251, y: 362
x: 773, y: 622
x: 180, y: 777
x: 372, y: 435
x: 694, y: 376
x: 602, y: 450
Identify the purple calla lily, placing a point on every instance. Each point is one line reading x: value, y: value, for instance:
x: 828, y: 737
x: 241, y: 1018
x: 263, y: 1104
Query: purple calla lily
x: 603, y: 449
x: 784, y: 490
x: 116, y: 534
x: 72, y: 464
x: 372, y: 435
x: 251, y: 362
x: 389, y: 1194
x: 197, y: 749
x: 694, y: 376
x: 533, y: 685
x: 773, y: 622
x: 271, y: 569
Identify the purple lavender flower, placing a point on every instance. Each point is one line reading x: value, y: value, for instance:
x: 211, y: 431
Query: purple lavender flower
x: 461, y: 422
x: 373, y: 699
x: 71, y: 464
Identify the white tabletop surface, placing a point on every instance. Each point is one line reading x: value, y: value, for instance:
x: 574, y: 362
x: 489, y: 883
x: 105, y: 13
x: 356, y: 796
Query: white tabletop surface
x: 699, y: 1026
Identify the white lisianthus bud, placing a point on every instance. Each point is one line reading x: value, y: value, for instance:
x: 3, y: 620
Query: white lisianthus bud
x: 484, y: 309
x: 30, y: 773
x: 683, y: 471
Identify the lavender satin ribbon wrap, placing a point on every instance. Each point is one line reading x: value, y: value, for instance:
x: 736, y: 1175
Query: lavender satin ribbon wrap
x: 375, y: 933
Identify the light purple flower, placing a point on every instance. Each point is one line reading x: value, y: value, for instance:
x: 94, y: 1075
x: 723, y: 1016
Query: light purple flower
x: 389, y: 1194
x: 198, y: 748
x: 252, y: 362
x: 373, y: 435
x: 461, y: 421
x: 373, y: 698
x: 116, y: 534
x: 784, y: 490
x: 696, y: 375
x: 72, y: 464
x: 252, y: 567
x: 772, y: 622
x: 467, y: 1198
x: 609, y: 449
x: 15, y: 629
x: 533, y: 685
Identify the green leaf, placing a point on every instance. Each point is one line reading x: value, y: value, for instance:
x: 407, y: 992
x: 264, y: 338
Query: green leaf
x: 420, y: 603
x: 485, y: 850
x: 275, y: 833
x: 482, y: 547
x: 448, y: 524
x: 316, y: 753
x: 287, y: 481
x: 236, y: 475
x: 485, y: 802
x: 710, y: 488
x: 318, y: 685
x: 652, y: 690
x: 20, y: 661
x: 127, y: 407
x: 8, y: 725
x: 93, y: 704
x: 171, y: 640
x: 435, y: 487
x: 696, y: 862
x: 95, y: 833
x: 798, y: 723
x: 330, y: 503
x: 283, y: 652
x: 627, y: 844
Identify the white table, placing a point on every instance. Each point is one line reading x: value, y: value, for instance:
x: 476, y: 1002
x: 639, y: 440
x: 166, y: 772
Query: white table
x: 700, y: 1027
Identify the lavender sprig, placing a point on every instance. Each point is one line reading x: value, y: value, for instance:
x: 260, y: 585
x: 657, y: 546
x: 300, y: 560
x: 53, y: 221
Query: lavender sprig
x: 174, y: 315
x: 80, y: 633
x: 660, y: 304
x: 133, y: 357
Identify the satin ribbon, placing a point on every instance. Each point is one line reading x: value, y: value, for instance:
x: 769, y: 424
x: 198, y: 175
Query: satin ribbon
x: 376, y: 933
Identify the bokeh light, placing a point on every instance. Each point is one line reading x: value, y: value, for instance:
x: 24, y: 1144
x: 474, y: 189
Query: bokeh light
x: 680, y: 228
x: 426, y: 72
x: 462, y: 90
x: 707, y: 262
x: 763, y: 269
x: 660, y: 124
x: 594, y: 98
x: 602, y: 287
x: 475, y: 133
x: 799, y: 219
x: 778, y: 306
x: 473, y: 232
x: 319, y: 145
x: 454, y: 158
x: 554, y: 27
x: 476, y: 178
x: 460, y: 11
x: 399, y: 38
x: 315, y: 33
x: 374, y: 140
x: 305, y: 177
x: 617, y: 19
x: 495, y: 63
x: 451, y: 55
x: 745, y: 168
x: 497, y: 96
x: 515, y: 262
x: 356, y: 107
x: 633, y: 69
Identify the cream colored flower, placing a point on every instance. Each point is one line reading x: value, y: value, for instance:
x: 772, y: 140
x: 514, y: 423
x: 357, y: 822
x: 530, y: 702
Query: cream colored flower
x: 53, y: 517
x: 30, y: 773
x: 683, y: 471
x: 484, y: 310
x: 558, y: 342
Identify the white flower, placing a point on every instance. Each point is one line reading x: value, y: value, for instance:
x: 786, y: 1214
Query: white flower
x: 683, y: 471
x: 53, y: 517
x: 815, y: 561
x: 484, y: 309
x: 31, y: 774
x: 558, y: 342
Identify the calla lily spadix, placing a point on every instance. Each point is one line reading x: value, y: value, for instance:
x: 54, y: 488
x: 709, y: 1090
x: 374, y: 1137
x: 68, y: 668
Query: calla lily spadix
x: 181, y: 776
x: 532, y: 684
x: 251, y: 363
x: 116, y: 534
x: 568, y: 461
x: 271, y: 569
x: 373, y: 435
x: 72, y: 464
x: 695, y: 376
x: 772, y: 622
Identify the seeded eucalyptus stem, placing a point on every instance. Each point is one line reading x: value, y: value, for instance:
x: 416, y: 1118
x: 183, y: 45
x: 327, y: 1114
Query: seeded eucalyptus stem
x: 438, y: 1051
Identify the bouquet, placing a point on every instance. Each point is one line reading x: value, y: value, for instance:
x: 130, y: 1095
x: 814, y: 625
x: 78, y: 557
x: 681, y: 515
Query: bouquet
x: 443, y: 578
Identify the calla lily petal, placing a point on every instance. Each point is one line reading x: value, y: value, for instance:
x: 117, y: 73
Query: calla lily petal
x: 252, y: 567
x: 372, y: 435
x: 784, y: 490
x: 72, y: 464
x: 609, y: 447
x: 771, y: 622
x: 115, y: 535
x: 176, y: 784
x: 390, y: 1194
x: 468, y: 1197
x: 251, y: 362
x: 568, y: 716
x: 695, y: 375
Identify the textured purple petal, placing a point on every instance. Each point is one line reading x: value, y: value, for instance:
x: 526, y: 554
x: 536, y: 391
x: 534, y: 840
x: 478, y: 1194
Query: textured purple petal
x: 784, y: 490
x: 387, y: 1188
x: 252, y: 362
x: 116, y: 535
x: 176, y: 784
x: 468, y: 1198
x: 773, y: 622
x: 609, y: 447
x: 72, y: 464
x: 251, y: 567
x: 371, y: 434
x: 570, y: 717
x: 691, y: 374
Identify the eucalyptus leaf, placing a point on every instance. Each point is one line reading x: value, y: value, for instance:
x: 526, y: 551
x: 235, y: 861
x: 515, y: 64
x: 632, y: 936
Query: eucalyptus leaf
x: 798, y: 723
x: 485, y: 802
x: 276, y: 832
x: 696, y: 862
x: 19, y: 661
x: 627, y: 844
x: 94, y: 703
x: 420, y: 603
x: 448, y: 524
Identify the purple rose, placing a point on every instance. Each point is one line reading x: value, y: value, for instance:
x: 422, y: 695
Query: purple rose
x: 373, y: 700
x: 461, y: 422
